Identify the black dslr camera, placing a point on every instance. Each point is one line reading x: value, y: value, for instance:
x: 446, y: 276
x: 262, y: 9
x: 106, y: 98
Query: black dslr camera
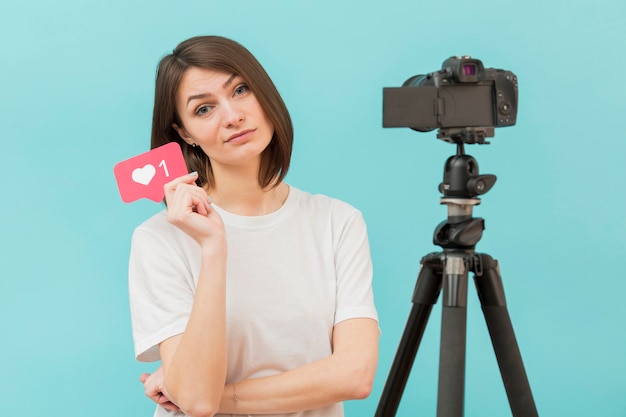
x: 463, y: 100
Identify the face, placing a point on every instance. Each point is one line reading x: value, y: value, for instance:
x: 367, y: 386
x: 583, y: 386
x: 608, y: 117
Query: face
x: 220, y: 114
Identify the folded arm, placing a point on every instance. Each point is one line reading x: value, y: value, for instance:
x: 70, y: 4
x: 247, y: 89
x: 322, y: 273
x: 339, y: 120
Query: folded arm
x: 345, y: 375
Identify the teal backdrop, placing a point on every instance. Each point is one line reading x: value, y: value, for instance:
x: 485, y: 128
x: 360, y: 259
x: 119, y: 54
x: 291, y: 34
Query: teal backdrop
x: 76, y: 91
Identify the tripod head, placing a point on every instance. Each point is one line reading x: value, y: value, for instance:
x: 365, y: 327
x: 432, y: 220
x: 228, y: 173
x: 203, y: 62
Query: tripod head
x: 461, y: 185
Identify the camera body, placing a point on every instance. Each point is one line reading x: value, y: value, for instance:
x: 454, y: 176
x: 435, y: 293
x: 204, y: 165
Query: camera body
x: 463, y: 99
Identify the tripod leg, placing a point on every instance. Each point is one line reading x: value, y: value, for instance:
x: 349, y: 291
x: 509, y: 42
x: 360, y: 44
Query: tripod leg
x: 451, y: 388
x: 491, y: 294
x: 425, y: 296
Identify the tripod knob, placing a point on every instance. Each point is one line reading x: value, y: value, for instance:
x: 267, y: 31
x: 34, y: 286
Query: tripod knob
x: 481, y: 184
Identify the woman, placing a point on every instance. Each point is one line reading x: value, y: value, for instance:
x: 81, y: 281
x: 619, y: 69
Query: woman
x: 255, y: 296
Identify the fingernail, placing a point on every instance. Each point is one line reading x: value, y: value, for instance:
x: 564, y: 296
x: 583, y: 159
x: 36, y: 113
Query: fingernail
x: 210, y: 199
x: 193, y: 174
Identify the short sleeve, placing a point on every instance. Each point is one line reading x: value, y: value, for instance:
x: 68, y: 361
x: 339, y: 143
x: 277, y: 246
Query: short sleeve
x: 354, y: 271
x: 161, y: 292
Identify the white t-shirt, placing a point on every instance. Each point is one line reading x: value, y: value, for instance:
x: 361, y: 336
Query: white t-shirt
x: 292, y: 275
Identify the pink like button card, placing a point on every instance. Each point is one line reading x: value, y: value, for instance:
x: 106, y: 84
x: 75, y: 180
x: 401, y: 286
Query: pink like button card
x: 143, y: 176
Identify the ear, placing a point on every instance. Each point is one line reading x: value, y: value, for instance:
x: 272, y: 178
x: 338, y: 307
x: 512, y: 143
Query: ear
x: 183, y: 134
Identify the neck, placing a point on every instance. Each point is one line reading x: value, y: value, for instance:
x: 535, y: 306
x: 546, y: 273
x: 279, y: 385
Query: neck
x: 240, y: 193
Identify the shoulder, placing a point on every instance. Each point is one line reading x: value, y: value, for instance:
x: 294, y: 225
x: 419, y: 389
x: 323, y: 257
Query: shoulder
x: 155, y: 223
x: 157, y: 226
x: 157, y: 232
x: 323, y: 209
x: 322, y: 203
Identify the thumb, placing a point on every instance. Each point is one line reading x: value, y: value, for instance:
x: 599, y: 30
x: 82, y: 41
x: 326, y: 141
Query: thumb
x: 144, y: 377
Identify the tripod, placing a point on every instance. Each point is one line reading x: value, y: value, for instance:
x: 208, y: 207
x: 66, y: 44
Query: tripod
x: 449, y: 270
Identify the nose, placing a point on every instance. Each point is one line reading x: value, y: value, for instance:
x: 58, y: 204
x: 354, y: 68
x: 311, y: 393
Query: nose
x: 233, y: 114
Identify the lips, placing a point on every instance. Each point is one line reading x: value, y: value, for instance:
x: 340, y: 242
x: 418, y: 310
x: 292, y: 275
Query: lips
x: 240, y: 135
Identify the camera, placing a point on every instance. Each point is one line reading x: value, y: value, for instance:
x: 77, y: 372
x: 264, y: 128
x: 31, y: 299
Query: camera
x: 464, y: 100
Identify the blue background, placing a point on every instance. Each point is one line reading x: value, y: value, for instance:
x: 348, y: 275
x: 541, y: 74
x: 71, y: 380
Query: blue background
x: 76, y: 89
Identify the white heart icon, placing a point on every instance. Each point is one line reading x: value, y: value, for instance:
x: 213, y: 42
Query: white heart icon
x: 144, y: 175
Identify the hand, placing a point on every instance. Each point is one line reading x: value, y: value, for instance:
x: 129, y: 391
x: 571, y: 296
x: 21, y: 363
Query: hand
x: 155, y: 389
x: 189, y: 209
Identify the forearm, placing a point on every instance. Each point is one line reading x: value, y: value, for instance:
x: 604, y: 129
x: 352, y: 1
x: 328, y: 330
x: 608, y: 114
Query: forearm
x: 194, y: 363
x: 345, y: 375
x: 311, y: 386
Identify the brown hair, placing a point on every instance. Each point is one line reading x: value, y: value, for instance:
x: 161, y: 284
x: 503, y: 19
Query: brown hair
x: 218, y: 53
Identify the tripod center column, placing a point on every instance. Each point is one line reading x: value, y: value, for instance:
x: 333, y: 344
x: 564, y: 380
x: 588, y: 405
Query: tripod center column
x: 455, y: 282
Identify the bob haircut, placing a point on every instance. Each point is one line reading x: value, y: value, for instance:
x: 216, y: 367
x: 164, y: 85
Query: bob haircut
x: 222, y: 54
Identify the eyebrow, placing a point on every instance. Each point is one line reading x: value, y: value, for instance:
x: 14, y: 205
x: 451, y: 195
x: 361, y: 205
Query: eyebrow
x: 204, y: 95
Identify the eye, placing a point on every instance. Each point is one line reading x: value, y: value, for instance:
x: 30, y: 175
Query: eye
x: 241, y: 89
x: 203, y: 110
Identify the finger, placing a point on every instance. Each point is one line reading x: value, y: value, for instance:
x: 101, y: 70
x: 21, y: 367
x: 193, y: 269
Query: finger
x: 184, y: 179
x: 178, y: 189
x: 170, y: 406
x: 154, y: 394
x: 143, y: 377
x: 204, y: 206
x: 187, y: 199
x: 162, y: 399
x: 189, y: 179
x: 164, y: 402
x: 152, y: 390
